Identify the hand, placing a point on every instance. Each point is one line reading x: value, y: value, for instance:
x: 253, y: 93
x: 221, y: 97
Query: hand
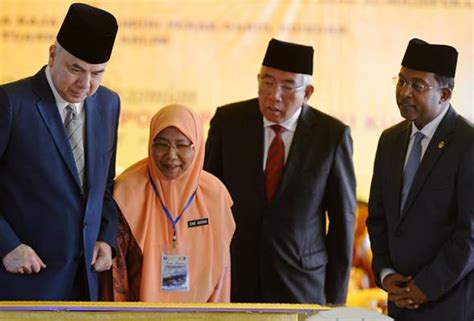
x: 395, y: 284
x: 23, y: 259
x: 413, y: 299
x: 102, y: 257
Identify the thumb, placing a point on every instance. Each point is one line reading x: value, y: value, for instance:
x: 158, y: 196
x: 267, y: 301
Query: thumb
x: 94, y: 255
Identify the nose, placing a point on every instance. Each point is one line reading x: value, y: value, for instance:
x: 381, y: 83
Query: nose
x: 172, y: 153
x: 84, y: 80
x: 405, y: 91
x: 275, y: 93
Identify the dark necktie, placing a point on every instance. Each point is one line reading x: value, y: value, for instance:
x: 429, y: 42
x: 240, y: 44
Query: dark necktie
x: 411, y: 167
x: 73, y: 125
x: 275, y: 162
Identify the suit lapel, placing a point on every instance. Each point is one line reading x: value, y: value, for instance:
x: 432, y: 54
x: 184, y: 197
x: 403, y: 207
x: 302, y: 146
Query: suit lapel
x: 49, y: 112
x: 254, y: 146
x: 93, y: 137
x: 433, y: 152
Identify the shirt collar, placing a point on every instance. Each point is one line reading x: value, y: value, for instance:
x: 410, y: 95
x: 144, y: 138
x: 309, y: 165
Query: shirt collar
x: 289, y: 124
x: 429, y: 129
x: 60, y: 102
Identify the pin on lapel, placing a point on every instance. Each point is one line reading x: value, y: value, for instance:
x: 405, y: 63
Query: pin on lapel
x: 441, y: 144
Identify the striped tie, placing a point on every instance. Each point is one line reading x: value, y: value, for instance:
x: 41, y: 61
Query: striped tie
x: 73, y: 125
x: 275, y: 162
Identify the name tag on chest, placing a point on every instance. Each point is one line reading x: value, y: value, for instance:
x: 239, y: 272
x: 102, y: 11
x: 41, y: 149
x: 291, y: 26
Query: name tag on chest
x: 200, y: 222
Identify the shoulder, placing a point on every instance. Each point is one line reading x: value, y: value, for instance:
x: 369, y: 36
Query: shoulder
x: 133, y: 175
x: 239, y: 105
x: 465, y: 126
x: 322, y: 123
x: 239, y: 108
x: 210, y: 182
x: 395, y: 131
x: 17, y: 88
x: 106, y: 94
x: 211, y: 186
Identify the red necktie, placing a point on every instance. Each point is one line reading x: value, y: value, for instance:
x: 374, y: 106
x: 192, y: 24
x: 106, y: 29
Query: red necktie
x: 275, y: 162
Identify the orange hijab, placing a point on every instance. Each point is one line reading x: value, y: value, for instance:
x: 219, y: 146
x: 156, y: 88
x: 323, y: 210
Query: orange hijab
x: 206, y: 246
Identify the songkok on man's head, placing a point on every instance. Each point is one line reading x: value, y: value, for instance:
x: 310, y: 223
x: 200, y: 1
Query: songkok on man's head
x: 88, y: 33
x: 438, y: 59
x: 289, y: 57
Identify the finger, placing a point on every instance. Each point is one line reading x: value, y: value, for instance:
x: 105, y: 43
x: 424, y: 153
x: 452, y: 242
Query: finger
x: 403, y: 303
x: 41, y: 263
x: 397, y: 297
x: 399, y: 290
x: 35, y: 266
x: 27, y: 269
x: 413, y: 306
x: 94, y: 255
x: 102, y: 264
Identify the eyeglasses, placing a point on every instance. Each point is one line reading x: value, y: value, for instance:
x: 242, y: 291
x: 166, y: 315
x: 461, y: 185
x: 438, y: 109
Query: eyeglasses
x: 268, y: 85
x: 183, y: 149
x: 416, y: 85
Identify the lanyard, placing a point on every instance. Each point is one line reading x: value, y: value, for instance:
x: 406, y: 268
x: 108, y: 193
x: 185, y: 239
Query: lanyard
x: 167, y: 212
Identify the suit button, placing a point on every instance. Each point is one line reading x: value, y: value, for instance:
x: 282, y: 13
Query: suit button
x: 398, y: 233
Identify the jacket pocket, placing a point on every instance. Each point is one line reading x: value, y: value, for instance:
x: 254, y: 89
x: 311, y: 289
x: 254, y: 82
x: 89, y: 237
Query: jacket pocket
x: 314, y: 259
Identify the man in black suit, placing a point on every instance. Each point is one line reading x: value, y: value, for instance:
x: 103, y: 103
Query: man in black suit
x: 421, y: 209
x: 286, y: 166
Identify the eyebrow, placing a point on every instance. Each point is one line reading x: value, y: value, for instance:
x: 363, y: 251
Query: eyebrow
x: 179, y: 140
x: 287, y: 81
x: 412, y: 79
x: 74, y: 65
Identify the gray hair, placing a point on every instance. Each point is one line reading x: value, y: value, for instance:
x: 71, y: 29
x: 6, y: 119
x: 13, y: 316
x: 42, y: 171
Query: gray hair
x: 445, y: 81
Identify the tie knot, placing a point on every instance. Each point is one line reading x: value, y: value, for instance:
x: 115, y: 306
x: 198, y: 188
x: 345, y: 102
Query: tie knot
x: 71, y: 109
x: 418, y: 137
x: 277, y: 129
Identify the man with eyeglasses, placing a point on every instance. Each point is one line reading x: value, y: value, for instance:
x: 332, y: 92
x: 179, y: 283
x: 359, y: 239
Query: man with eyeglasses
x: 286, y: 166
x: 421, y: 208
x: 58, y: 137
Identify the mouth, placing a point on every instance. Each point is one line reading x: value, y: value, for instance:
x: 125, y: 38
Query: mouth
x: 274, y: 110
x: 171, y: 167
x: 406, y: 105
x: 78, y: 93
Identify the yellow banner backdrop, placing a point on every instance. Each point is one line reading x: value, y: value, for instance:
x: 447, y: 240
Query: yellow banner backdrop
x: 206, y: 53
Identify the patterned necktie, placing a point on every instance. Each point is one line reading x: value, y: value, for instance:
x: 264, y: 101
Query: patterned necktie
x: 275, y: 162
x: 411, y: 167
x: 73, y: 125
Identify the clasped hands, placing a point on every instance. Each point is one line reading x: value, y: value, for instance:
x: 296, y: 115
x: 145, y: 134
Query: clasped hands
x: 403, y: 291
x: 24, y: 260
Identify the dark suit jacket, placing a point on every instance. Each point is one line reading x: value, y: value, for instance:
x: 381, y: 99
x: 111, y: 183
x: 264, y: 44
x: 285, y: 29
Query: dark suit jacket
x: 433, y: 238
x: 41, y: 203
x: 280, y: 251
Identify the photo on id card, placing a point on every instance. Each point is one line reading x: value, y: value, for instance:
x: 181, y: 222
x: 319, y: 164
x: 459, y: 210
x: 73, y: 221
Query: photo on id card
x: 174, y: 271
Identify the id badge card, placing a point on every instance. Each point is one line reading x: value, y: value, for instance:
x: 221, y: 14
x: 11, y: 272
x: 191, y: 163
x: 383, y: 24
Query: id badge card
x: 174, y: 272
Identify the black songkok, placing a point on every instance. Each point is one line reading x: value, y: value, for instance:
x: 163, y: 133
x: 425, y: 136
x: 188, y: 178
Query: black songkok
x: 289, y: 57
x: 88, y: 33
x: 438, y: 59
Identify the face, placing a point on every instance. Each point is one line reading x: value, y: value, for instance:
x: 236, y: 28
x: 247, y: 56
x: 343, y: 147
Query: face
x: 424, y: 105
x: 173, y: 152
x: 73, y: 78
x: 281, y: 93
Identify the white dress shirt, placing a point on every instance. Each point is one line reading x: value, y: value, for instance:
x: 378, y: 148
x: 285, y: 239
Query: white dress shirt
x: 287, y: 135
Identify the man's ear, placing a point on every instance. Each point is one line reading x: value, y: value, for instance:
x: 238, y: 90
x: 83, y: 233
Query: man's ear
x: 446, y: 94
x: 52, y: 55
x: 308, y: 91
